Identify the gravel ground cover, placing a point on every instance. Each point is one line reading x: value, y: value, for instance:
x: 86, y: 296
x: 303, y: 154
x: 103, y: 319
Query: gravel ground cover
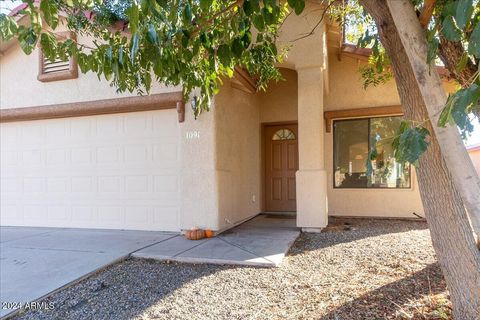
x: 356, y: 269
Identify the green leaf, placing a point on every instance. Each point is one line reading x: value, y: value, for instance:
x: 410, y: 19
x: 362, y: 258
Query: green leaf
x: 299, y: 6
x: 292, y: 3
x: 450, y: 30
x: 458, y: 107
x: 223, y: 53
x: 412, y: 144
x: 133, y: 14
x: 28, y: 39
x: 446, y: 115
x: 49, y: 9
x: 268, y: 16
x: 120, y: 55
x: 134, y: 45
x: 247, y: 39
x: 432, y: 50
x: 248, y: 7
x: 49, y: 45
x: 259, y: 23
x: 463, y: 12
x: 162, y: 3
x: 147, y: 81
x: 237, y: 48
x: 187, y: 13
x: 205, y: 40
x: 205, y: 4
x: 109, y: 53
x: 152, y: 34
x: 8, y: 27
x: 462, y: 63
x: 474, y: 41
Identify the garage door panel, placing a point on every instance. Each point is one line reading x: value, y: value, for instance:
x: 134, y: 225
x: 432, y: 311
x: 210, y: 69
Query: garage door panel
x: 112, y: 171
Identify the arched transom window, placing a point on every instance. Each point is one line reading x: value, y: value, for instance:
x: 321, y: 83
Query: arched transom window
x: 284, y: 134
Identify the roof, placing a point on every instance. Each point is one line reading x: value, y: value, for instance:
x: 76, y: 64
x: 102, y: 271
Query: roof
x: 474, y: 147
x: 366, y: 52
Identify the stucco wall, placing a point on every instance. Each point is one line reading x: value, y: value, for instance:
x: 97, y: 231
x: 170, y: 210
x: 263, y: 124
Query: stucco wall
x: 237, y: 155
x: 475, y: 156
x: 19, y: 86
x: 198, y: 200
x: 280, y: 101
x: 199, y: 188
x: 346, y: 92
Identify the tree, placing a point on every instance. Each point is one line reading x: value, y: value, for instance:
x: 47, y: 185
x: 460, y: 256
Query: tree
x: 455, y: 45
x: 422, y: 96
x: 195, y: 43
x: 192, y: 43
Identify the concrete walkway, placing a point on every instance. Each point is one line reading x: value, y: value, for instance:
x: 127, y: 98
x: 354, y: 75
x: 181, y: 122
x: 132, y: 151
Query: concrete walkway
x: 37, y: 261
x: 262, y: 241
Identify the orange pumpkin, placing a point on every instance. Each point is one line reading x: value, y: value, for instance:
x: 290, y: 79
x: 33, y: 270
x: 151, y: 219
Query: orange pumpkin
x: 209, y: 233
x: 195, y: 234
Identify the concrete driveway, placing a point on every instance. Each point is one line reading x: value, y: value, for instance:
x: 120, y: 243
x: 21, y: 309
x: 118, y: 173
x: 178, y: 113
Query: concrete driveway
x: 37, y: 261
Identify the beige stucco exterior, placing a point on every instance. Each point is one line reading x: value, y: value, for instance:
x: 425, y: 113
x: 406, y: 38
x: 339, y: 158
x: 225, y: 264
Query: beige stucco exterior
x: 346, y: 92
x: 211, y: 171
x: 474, y: 152
x: 280, y: 102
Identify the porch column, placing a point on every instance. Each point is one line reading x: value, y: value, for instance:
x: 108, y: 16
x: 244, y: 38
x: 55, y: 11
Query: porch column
x: 311, y: 177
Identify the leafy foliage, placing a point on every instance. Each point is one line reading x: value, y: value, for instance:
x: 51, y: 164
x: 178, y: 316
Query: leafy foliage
x: 411, y: 142
x: 455, y: 21
x: 458, y: 108
x: 176, y: 42
x: 194, y: 43
x: 459, y: 22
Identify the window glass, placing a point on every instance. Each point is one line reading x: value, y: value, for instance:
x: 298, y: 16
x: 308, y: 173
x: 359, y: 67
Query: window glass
x: 350, y: 152
x: 352, y: 140
x: 283, y: 134
x: 387, y: 173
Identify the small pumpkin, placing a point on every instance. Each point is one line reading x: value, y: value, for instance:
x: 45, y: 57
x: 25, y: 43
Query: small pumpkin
x: 209, y: 233
x: 195, y: 234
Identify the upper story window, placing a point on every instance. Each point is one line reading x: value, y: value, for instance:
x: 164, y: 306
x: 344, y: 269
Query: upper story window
x: 351, y: 143
x: 58, y: 69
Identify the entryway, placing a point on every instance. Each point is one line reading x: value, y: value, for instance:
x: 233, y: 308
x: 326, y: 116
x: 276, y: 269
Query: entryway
x: 281, y: 164
x: 262, y: 241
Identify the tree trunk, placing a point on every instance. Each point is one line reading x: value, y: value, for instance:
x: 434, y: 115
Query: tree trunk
x: 450, y: 230
x: 432, y: 94
x: 451, y: 53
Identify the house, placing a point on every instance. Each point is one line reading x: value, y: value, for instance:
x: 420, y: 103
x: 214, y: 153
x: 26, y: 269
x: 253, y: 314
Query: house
x: 474, y: 152
x: 77, y: 154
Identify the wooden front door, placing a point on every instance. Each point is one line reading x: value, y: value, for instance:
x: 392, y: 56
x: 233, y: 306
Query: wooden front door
x: 281, y: 164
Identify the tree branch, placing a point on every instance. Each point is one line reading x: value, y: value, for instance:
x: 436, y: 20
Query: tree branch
x: 427, y: 13
x: 237, y: 3
x: 316, y: 25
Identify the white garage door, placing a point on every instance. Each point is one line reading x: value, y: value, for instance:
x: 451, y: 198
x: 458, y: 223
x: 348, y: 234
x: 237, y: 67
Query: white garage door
x: 116, y: 171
